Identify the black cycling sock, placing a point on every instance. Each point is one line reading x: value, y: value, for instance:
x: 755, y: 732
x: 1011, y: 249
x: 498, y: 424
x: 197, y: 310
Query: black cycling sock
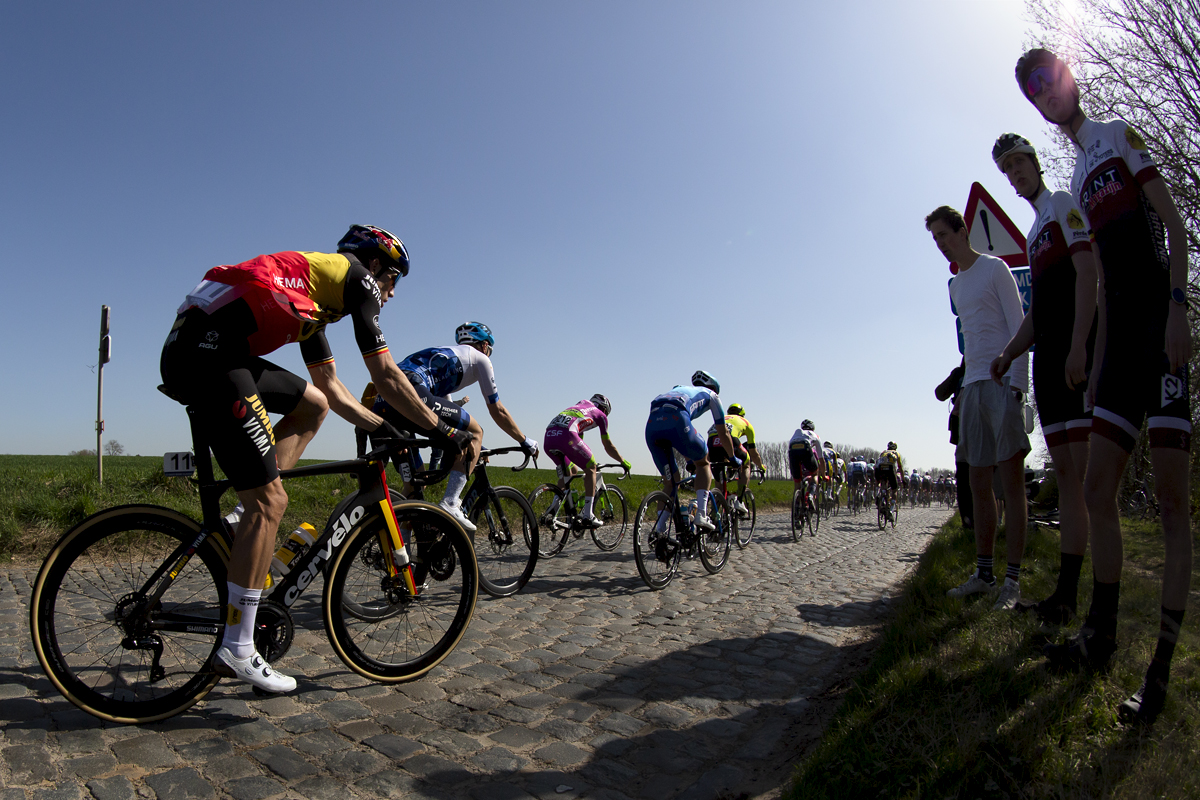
x: 984, y: 565
x: 1168, y: 633
x: 1068, y: 578
x: 1103, y: 614
x: 1013, y: 573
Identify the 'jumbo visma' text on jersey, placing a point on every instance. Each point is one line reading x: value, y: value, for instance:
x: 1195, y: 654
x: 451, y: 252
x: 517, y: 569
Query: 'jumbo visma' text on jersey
x: 1110, y: 168
x: 890, y: 459
x: 445, y: 370
x: 695, y: 400
x: 581, y: 417
x: 1058, y: 233
x: 293, y: 296
x: 737, y: 425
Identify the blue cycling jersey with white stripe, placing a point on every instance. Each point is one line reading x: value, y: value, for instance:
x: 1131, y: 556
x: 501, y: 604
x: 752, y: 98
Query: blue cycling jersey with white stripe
x: 695, y: 400
x: 445, y: 370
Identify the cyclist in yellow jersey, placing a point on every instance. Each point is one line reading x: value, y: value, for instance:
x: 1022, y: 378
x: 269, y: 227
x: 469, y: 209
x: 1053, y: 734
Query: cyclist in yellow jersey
x: 888, y: 469
x: 738, y: 426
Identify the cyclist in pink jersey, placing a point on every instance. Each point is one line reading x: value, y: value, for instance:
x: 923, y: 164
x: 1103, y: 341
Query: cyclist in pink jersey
x: 564, y: 443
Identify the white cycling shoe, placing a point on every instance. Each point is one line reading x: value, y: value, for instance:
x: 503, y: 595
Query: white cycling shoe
x: 459, y: 517
x: 253, y: 670
x: 740, y: 507
x: 704, y: 523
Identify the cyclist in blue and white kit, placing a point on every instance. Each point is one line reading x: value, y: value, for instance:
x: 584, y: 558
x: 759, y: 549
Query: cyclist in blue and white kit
x: 437, y: 372
x: 670, y: 428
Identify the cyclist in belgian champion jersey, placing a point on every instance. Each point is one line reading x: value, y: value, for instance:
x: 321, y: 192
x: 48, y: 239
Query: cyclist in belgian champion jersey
x: 1062, y: 322
x: 738, y: 426
x: 1145, y: 342
x: 212, y: 360
x: 564, y: 444
x: 670, y: 428
x: 437, y: 372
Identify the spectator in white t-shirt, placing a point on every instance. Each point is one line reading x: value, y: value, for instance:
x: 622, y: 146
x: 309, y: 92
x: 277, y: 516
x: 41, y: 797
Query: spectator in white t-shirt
x: 991, y: 415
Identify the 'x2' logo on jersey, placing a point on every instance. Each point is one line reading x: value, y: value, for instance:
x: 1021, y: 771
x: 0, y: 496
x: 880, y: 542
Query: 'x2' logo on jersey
x: 1172, y: 390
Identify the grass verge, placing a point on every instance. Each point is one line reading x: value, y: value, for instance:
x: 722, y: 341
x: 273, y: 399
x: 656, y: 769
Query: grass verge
x: 958, y: 701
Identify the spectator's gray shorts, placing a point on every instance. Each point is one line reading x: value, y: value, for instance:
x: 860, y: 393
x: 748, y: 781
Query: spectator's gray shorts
x: 991, y: 425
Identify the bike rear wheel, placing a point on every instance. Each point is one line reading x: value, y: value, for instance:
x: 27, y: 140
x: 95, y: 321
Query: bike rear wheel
x: 554, y: 526
x: 99, y: 645
x: 507, y: 541
x: 715, y: 544
x: 745, y: 527
x: 610, y: 508
x: 797, y: 515
x: 404, y: 636
x: 657, y: 559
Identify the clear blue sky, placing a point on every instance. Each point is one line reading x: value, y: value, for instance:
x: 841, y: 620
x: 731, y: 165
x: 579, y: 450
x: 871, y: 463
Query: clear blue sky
x: 625, y: 192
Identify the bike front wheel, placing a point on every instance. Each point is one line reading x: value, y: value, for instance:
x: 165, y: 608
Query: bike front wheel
x: 554, y: 526
x: 507, y: 541
x: 613, y: 513
x: 714, y: 544
x: 798, y: 509
x: 103, y: 643
x: 656, y: 557
x: 404, y: 635
x: 745, y: 527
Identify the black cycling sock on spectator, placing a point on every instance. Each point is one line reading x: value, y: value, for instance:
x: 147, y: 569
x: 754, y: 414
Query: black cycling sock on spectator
x: 1168, y: 634
x: 1068, y: 578
x: 1103, y: 614
x: 1013, y: 573
x: 984, y: 565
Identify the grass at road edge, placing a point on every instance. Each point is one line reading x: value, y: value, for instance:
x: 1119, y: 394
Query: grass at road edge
x: 958, y: 701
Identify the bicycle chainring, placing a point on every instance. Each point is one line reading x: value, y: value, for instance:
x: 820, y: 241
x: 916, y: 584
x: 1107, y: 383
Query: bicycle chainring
x: 442, y: 560
x: 273, y: 630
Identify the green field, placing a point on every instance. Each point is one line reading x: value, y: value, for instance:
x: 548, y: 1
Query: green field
x: 43, y: 496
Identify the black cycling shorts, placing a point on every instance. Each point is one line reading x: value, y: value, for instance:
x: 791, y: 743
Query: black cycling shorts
x: 1063, y: 412
x: 801, y: 463
x: 717, y: 454
x: 1136, y: 382
x: 206, y: 364
x: 887, y: 475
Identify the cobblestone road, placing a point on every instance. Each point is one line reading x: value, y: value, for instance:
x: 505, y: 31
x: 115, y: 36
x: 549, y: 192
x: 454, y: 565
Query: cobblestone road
x: 586, y: 684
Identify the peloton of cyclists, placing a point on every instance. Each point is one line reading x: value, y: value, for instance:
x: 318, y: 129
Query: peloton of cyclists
x: 564, y: 444
x: 437, y: 372
x: 670, y: 428
x: 738, y: 426
x: 212, y: 360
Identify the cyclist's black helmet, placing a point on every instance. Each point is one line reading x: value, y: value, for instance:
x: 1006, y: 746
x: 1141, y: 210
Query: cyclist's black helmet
x: 392, y: 253
x: 1010, y: 143
x: 807, y: 425
x: 601, y: 402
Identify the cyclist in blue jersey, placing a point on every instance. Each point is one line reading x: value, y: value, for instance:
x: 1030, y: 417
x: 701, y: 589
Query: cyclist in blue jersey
x: 437, y: 372
x: 670, y: 428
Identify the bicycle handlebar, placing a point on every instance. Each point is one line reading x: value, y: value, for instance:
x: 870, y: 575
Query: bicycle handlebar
x: 484, y: 454
x: 618, y: 466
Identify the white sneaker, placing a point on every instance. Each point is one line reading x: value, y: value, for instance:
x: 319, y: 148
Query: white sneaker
x: 253, y: 670
x: 704, y: 524
x: 974, y: 585
x: 1010, y: 593
x: 459, y: 517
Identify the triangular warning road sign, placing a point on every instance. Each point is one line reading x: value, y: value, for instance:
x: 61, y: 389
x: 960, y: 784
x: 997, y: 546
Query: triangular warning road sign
x: 990, y: 230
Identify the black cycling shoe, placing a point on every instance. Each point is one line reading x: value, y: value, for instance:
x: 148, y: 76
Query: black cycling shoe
x: 1051, y: 611
x: 1147, y: 702
x: 1088, y: 649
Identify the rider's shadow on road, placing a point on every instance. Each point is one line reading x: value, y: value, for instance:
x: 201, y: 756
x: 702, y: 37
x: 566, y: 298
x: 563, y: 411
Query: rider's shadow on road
x: 712, y: 719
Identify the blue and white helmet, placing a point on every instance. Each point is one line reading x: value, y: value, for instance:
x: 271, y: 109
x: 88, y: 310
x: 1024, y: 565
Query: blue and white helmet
x: 470, y: 332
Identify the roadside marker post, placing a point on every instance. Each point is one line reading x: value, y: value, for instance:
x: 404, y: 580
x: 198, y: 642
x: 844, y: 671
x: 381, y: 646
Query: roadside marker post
x: 105, y: 357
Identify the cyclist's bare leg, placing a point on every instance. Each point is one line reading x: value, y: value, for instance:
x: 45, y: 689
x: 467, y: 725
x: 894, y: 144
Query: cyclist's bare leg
x: 743, y: 475
x: 1171, y: 489
x: 589, y: 479
x: 465, y: 462
x: 703, y: 474
x: 254, y: 539
x: 1106, y: 463
x: 296, y: 430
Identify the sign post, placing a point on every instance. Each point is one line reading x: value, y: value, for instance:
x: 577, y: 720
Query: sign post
x: 105, y: 356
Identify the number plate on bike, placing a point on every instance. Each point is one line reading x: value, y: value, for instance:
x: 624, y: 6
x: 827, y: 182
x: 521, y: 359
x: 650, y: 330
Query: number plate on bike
x: 178, y: 464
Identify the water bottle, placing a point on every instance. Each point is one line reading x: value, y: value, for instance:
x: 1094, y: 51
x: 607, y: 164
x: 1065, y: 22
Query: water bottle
x: 295, y: 545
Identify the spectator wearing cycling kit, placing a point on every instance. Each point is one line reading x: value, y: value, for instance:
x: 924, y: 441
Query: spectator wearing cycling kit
x: 564, y: 444
x: 738, y: 426
x: 1062, y: 321
x: 212, y: 360
x: 992, y: 426
x: 670, y: 428
x: 437, y: 372
x: 805, y: 455
x: 1145, y: 342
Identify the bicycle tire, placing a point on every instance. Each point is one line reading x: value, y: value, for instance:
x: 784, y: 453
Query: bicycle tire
x: 814, y: 521
x: 715, y: 544
x: 416, y: 633
x: 612, y: 510
x: 746, y: 532
x: 881, y: 515
x: 506, y: 540
x: 92, y: 578
x: 797, y: 515
x: 657, y: 560
x: 554, y: 527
